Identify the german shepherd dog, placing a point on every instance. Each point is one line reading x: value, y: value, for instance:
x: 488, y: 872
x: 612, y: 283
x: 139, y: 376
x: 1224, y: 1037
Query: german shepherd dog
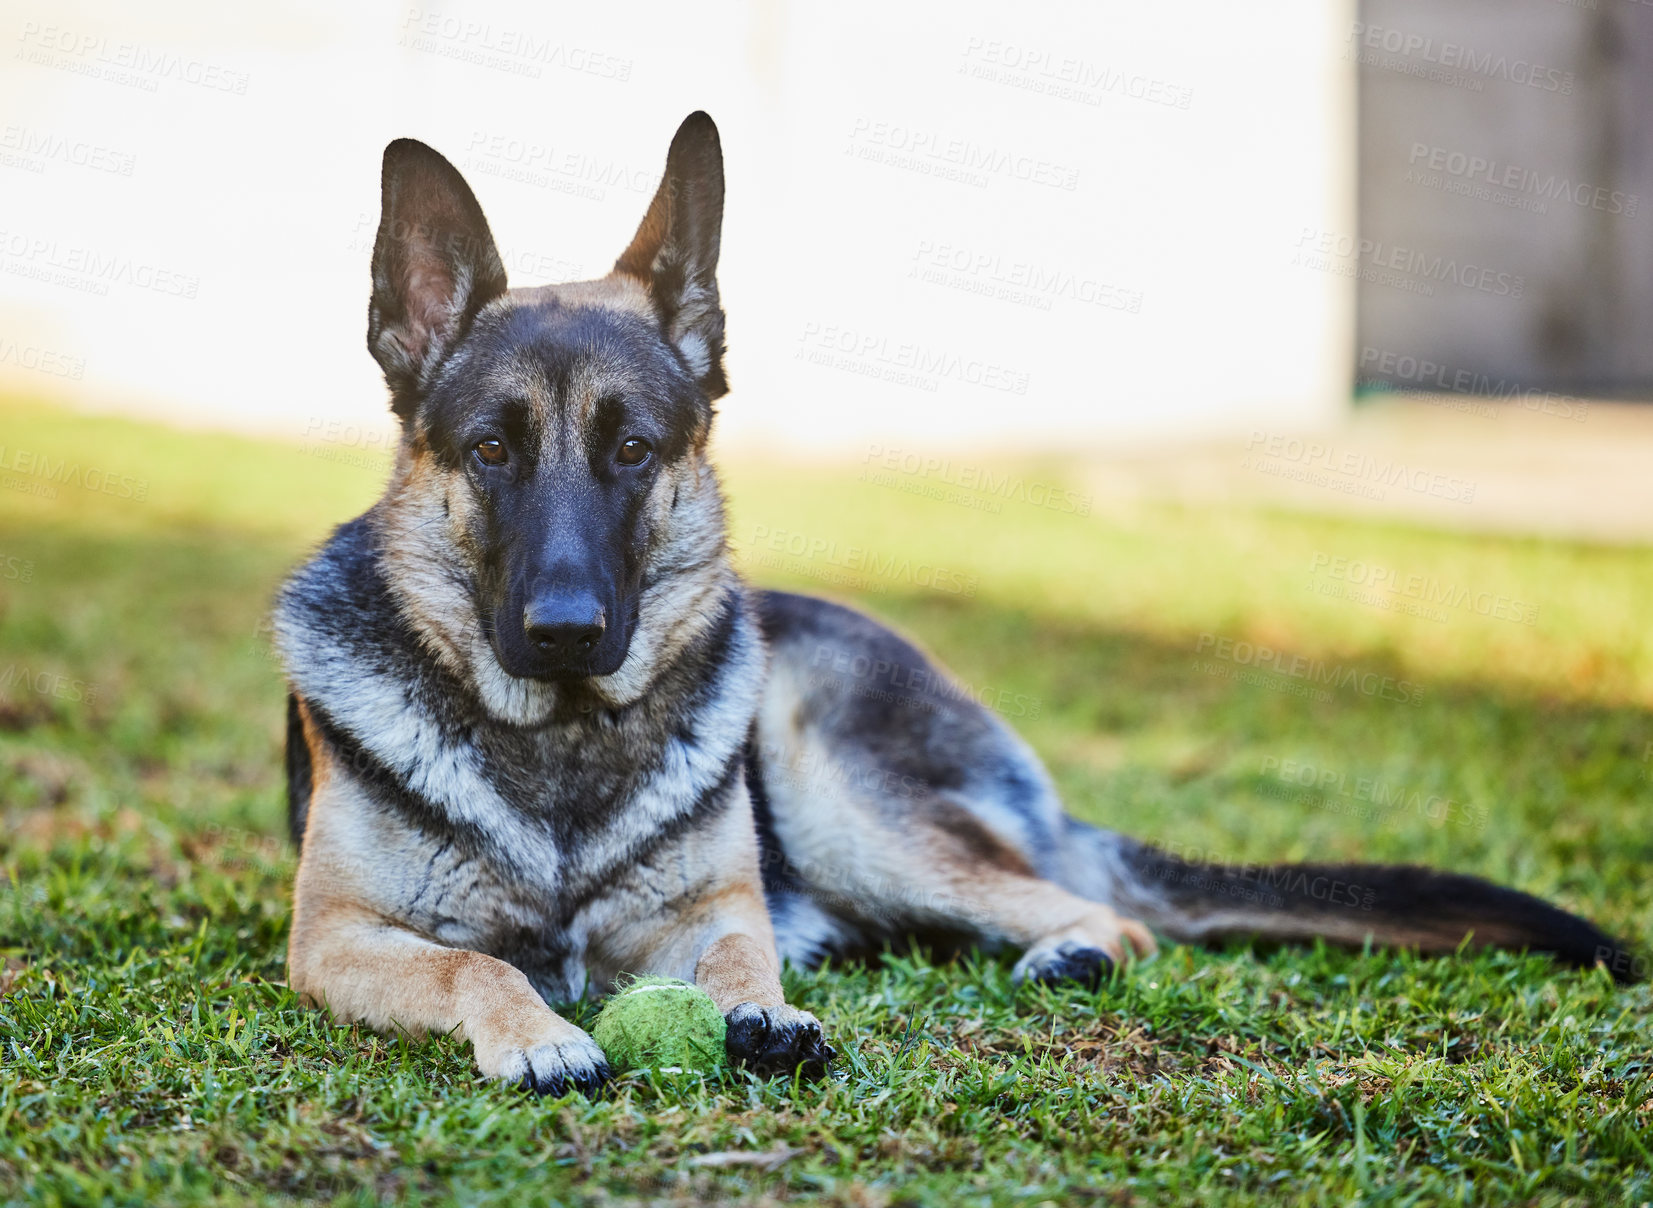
x: 542, y: 735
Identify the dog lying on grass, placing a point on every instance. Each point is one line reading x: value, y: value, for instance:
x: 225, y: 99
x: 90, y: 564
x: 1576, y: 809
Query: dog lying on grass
x: 540, y: 733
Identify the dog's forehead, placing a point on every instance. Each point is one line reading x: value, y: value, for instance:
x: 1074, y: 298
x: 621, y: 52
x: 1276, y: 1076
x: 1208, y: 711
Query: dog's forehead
x: 563, y: 348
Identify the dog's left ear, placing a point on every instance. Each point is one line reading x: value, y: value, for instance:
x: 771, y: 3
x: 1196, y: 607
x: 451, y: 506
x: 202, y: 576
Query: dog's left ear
x: 674, y: 252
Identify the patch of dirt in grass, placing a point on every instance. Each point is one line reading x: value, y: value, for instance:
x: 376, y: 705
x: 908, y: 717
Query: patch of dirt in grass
x: 10, y: 971
x: 19, y: 716
x: 48, y: 778
x: 1112, y: 1048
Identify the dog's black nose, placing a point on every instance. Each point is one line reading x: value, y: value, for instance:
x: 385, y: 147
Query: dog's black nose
x: 566, y: 626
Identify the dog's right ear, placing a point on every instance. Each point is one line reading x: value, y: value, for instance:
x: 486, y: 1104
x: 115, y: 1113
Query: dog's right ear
x: 434, y: 267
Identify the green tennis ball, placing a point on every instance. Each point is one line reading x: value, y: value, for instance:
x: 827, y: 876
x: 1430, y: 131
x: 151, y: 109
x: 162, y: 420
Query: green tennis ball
x: 660, y: 1023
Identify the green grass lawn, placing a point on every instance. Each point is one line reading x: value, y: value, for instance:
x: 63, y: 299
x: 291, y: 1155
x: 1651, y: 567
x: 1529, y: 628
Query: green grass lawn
x: 150, y: 1052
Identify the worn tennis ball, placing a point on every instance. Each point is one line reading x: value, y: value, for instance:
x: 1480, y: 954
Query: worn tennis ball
x: 661, y: 1023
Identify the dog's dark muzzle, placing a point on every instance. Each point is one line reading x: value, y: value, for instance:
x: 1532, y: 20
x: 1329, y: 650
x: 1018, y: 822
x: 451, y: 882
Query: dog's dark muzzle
x: 562, y: 632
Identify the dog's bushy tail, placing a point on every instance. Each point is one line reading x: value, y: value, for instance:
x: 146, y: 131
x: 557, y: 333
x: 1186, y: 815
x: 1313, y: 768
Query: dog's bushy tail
x: 1193, y: 900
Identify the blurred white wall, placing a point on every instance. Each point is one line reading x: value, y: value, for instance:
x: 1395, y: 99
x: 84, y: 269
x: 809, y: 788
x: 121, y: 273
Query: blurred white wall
x: 948, y: 224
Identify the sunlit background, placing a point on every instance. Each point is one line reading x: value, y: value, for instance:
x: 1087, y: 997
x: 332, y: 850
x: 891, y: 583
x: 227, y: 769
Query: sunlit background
x: 1104, y: 228
x: 945, y: 223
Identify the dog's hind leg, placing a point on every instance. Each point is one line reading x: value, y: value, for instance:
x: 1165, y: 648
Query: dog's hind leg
x: 895, y: 805
x: 932, y: 867
x: 962, y: 873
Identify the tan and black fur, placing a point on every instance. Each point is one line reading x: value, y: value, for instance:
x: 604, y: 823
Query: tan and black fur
x: 541, y: 735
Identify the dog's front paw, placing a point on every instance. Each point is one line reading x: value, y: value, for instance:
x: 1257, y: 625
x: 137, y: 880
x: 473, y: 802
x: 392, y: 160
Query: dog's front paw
x: 777, y: 1040
x: 564, y: 1059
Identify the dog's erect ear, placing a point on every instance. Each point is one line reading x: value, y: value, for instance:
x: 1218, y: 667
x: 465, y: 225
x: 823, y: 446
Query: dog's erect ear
x: 434, y: 267
x: 674, y: 252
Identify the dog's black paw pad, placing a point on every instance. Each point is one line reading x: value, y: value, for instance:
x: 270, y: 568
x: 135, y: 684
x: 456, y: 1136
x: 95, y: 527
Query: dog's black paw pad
x: 1090, y: 967
x: 777, y: 1040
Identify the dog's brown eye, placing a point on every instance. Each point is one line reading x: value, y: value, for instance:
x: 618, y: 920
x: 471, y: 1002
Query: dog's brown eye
x: 491, y: 452
x: 633, y: 452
